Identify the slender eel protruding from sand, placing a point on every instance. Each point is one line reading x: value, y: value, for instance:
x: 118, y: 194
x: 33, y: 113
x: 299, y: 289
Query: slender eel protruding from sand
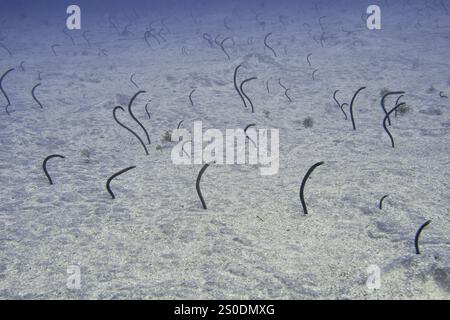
x: 147, y: 34
x: 223, y: 48
x: 216, y: 40
x: 245, y: 131
x: 342, y: 108
x: 155, y: 37
x: 6, y: 49
x: 108, y: 182
x: 134, y: 118
x: 442, y: 95
x: 163, y: 23
x: 302, y: 187
x: 285, y: 90
x: 269, y: 47
x: 44, y: 165
x: 34, y: 96
x: 416, y: 239
x: 313, y: 74
x: 159, y: 33
x: 351, y: 106
x: 3, y: 90
x: 190, y: 97
x: 112, y: 24
x: 243, y: 93
x: 132, y: 80
x: 179, y: 124
x: 386, y: 118
x: 197, y: 185
x: 267, y: 86
x: 125, y: 127
x: 383, y: 99
x: 363, y: 18
x: 53, y: 48
x: 146, y: 110
x: 225, y: 23
x: 381, y: 201
x: 339, y: 105
x: 320, y: 22
x: 236, y: 86
x: 208, y: 38
x: 182, y: 148
x: 248, y: 126
x: 307, y: 58
x: 335, y: 99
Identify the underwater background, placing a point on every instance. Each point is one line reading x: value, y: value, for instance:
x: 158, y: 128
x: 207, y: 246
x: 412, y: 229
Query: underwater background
x: 155, y: 240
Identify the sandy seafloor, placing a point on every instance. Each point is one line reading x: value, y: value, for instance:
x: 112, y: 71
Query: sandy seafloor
x: 154, y: 241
